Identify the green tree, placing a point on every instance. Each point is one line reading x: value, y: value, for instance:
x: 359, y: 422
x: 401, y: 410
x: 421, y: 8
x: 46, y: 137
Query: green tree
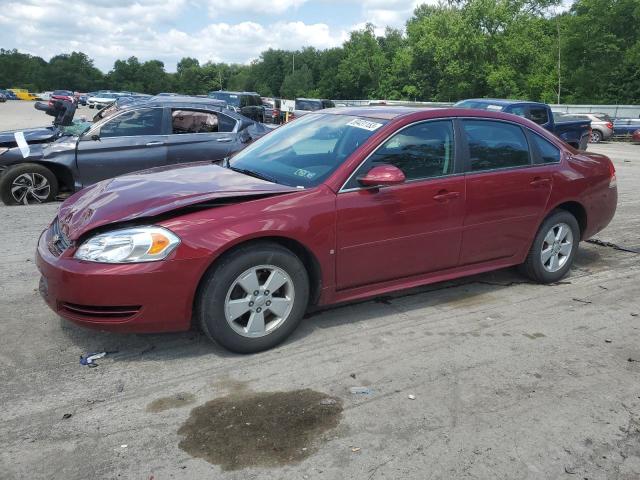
x: 361, y: 68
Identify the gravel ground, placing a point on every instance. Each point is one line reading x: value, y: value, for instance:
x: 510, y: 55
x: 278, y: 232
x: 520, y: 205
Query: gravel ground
x: 488, y: 377
x: 16, y: 114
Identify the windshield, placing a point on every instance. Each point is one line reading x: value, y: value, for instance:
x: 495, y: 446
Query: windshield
x: 305, y: 152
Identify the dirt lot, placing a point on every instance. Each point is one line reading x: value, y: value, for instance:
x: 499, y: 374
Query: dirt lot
x: 487, y: 377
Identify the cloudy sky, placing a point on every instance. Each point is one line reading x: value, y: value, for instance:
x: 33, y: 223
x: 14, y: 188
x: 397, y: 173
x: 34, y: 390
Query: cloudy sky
x: 218, y: 30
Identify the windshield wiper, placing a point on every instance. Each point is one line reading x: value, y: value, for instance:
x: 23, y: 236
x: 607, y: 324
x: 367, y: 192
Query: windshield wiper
x: 251, y: 173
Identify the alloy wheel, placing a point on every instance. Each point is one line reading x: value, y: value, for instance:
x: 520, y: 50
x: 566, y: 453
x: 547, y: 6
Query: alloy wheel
x: 556, y: 247
x: 30, y: 188
x: 259, y: 301
x: 595, y: 137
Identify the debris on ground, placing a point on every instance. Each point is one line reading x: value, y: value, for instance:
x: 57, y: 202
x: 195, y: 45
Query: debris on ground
x: 67, y: 416
x: 622, y: 248
x: 353, y: 375
x: 607, y: 340
x: 411, y: 397
x: 631, y: 360
x: 355, y: 449
x: 90, y: 358
x: 581, y: 300
x: 328, y: 401
x: 361, y: 390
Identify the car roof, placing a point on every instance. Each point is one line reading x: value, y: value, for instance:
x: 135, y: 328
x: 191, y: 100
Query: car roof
x: 185, y: 101
x: 233, y: 93
x: 496, y: 101
x: 385, y: 112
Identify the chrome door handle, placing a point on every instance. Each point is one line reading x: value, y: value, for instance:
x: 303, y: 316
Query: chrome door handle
x: 154, y: 143
x: 443, y: 196
x: 224, y: 140
x: 540, y: 182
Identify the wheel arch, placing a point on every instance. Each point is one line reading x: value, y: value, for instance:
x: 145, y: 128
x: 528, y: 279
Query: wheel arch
x: 577, y: 210
x: 61, y: 172
x: 306, y: 256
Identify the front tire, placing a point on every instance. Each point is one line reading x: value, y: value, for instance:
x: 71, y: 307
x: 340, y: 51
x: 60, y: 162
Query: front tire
x: 254, y: 298
x: 28, y: 183
x: 553, y: 249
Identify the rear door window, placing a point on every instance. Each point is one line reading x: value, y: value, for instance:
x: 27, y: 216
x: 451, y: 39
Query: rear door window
x: 494, y: 145
x: 199, y: 121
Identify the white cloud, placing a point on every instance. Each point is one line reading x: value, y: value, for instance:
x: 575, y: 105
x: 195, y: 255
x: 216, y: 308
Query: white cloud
x: 108, y: 33
x: 269, y: 7
x: 107, y: 30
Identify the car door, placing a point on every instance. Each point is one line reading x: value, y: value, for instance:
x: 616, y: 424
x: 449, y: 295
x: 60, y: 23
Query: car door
x: 506, y: 193
x: 201, y: 135
x: 408, y: 229
x: 126, y: 142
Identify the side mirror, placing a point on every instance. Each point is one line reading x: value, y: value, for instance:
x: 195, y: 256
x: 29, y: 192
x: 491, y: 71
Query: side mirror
x: 382, y: 176
x: 95, y: 137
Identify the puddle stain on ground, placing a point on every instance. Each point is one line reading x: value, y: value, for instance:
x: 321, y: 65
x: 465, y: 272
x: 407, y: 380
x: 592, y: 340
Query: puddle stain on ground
x: 174, y: 401
x: 248, y: 429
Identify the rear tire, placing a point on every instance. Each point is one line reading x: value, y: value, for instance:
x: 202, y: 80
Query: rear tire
x: 28, y: 183
x: 553, y: 249
x: 596, y: 136
x: 237, y: 308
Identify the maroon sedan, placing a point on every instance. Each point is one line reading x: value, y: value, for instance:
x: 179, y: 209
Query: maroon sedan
x: 337, y: 206
x: 636, y: 136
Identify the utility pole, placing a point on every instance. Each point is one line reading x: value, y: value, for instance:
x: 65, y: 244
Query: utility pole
x: 293, y: 55
x: 559, y: 74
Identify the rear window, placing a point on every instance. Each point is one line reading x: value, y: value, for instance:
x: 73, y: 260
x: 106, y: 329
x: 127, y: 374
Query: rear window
x: 308, y: 105
x: 538, y: 115
x: 548, y: 152
x: 479, y: 105
x: 231, y: 98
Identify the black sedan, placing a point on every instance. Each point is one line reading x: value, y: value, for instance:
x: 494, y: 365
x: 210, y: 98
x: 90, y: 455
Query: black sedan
x: 137, y: 136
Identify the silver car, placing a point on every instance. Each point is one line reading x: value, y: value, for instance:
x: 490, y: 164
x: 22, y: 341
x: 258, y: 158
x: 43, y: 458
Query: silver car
x: 601, y: 125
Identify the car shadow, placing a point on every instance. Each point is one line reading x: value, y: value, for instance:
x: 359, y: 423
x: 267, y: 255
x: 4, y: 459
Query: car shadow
x: 463, y: 292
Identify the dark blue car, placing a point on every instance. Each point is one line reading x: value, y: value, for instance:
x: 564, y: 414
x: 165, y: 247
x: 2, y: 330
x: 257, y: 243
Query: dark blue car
x: 9, y: 94
x: 624, y: 127
x: 576, y: 133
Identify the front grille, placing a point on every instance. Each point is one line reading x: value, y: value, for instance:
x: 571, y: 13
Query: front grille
x: 57, y: 241
x: 93, y: 311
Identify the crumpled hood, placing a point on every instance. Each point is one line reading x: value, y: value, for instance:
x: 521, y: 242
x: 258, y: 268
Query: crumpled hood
x: 154, y: 192
x: 31, y: 135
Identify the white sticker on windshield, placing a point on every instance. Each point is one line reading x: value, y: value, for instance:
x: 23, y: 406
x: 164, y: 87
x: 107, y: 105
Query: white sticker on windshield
x: 22, y: 144
x: 364, y: 124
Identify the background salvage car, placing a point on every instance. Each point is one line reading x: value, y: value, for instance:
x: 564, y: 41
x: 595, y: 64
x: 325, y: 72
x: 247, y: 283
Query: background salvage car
x: 575, y: 132
x: 136, y: 136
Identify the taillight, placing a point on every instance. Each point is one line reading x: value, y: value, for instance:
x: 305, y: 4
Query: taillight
x: 613, y: 181
x: 610, y: 126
